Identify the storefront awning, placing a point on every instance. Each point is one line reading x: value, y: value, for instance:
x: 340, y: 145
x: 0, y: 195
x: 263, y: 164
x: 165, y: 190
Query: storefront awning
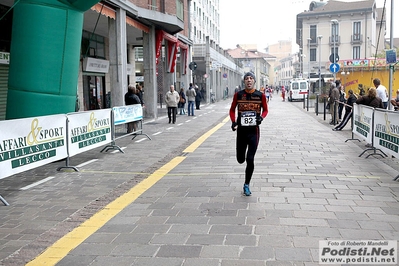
x: 104, y: 10
x: 137, y: 25
x: 173, y: 45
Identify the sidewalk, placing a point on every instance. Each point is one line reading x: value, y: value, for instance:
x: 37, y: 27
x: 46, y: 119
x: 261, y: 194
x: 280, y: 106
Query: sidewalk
x: 308, y: 185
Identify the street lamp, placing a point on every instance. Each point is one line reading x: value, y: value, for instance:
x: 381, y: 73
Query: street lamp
x: 309, y: 40
x: 334, y: 22
x: 300, y: 58
x: 319, y: 42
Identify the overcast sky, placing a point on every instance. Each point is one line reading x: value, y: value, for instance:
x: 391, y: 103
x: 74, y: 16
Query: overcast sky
x: 264, y: 22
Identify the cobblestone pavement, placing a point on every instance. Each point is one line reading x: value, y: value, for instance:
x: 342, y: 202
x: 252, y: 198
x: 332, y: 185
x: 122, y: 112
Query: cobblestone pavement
x: 308, y: 185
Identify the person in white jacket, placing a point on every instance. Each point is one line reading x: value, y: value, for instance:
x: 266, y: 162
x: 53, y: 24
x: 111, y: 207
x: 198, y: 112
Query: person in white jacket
x: 381, y: 92
x: 172, y: 98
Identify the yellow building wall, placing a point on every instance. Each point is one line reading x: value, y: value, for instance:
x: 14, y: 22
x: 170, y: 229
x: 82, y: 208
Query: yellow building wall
x: 352, y: 80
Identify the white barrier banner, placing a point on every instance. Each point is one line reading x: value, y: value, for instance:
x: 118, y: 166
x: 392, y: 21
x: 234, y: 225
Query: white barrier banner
x: 128, y: 113
x: 386, y: 131
x: 31, y: 142
x: 88, y: 130
x: 362, y: 125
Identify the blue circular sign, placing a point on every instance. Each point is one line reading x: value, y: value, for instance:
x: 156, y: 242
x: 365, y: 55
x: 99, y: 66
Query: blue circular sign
x: 334, y: 68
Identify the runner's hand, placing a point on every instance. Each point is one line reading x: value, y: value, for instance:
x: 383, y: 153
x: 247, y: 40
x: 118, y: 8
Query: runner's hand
x: 259, y: 120
x: 234, y: 126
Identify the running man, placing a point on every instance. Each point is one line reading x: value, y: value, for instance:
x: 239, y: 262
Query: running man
x: 252, y: 108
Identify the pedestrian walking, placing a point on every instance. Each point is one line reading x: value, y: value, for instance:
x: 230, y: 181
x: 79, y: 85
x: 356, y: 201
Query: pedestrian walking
x: 190, y: 94
x: 198, y: 98
x: 251, y: 108
x: 283, y: 93
x: 172, y: 99
x: 333, y: 97
x: 182, y: 102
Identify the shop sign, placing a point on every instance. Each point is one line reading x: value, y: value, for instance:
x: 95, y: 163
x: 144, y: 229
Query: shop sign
x: 95, y: 65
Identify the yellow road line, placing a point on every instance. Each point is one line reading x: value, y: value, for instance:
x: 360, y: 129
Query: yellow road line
x: 74, y: 238
x: 56, y: 252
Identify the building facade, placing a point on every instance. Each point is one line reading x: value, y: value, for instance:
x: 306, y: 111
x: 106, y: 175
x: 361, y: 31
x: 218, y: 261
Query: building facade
x: 347, y: 32
x: 251, y: 60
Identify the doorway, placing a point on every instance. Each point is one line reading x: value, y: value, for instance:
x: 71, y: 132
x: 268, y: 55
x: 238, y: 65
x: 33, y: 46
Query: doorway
x: 94, y: 92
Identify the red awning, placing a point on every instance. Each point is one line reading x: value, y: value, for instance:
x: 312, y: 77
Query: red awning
x: 173, y: 45
x: 169, y: 37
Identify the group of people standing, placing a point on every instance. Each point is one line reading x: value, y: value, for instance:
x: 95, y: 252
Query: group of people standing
x: 174, y: 100
x: 376, y: 97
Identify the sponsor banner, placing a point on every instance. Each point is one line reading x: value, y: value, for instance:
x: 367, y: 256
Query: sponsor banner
x: 88, y: 130
x: 31, y: 142
x: 128, y: 113
x: 363, y: 121
x: 372, y: 252
x: 386, y: 132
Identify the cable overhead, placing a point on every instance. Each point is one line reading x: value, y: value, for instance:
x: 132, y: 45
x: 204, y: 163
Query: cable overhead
x: 95, y: 27
x: 378, y: 41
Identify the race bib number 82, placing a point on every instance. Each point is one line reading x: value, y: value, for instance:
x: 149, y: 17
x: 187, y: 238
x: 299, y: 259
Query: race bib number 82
x: 248, y: 118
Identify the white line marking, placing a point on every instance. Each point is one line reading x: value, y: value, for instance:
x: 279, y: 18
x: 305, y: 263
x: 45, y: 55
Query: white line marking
x: 157, y: 133
x: 86, y: 163
x: 140, y: 140
x: 116, y: 151
x: 37, y: 183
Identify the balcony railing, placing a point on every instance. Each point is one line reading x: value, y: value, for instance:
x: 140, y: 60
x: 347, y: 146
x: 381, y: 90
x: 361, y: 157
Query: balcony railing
x: 357, y: 39
x: 335, y: 40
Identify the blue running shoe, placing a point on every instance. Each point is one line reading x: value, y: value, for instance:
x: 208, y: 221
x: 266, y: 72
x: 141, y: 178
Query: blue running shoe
x: 247, y: 192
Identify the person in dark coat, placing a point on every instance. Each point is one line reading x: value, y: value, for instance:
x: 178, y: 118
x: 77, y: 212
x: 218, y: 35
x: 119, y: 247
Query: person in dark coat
x: 198, y: 98
x: 371, y: 99
x: 182, y: 102
x: 132, y: 98
x: 139, y: 92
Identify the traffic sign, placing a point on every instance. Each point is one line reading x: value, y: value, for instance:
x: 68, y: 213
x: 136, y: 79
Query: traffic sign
x: 193, y: 66
x: 334, y: 68
x: 390, y: 56
x: 331, y: 58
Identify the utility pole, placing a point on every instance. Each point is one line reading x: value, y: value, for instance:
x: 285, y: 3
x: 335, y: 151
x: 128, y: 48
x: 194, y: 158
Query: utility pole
x: 319, y: 42
x: 335, y: 34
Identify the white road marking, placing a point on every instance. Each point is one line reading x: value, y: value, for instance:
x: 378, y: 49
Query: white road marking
x: 37, y: 183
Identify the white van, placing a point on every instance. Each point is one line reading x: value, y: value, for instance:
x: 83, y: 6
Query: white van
x: 298, y: 89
